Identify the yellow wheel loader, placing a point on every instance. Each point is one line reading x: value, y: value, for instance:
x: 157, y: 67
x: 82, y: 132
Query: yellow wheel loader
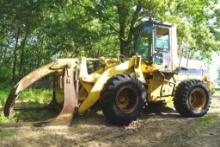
x: 124, y: 86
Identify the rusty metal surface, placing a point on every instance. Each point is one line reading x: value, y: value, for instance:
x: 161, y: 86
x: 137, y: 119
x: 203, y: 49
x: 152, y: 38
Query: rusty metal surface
x: 24, y: 83
x: 70, y: 104
x: 10, y: 102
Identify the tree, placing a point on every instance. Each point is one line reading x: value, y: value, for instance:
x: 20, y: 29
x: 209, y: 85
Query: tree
x: 192, y: 18
x: 32, y: 31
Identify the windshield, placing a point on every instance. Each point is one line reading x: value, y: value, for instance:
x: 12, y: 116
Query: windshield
x: 143, y: 43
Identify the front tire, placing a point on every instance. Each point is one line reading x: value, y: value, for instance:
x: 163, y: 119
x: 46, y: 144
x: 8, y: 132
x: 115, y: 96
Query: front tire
x: 122, y: 99
x: 192, y: 98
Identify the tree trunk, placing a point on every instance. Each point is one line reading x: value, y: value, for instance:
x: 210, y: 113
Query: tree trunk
x: 125, y: 42
x: 15, y: 57
x: 122, y: 14
x: 21, y: 66
x: 1, y: 53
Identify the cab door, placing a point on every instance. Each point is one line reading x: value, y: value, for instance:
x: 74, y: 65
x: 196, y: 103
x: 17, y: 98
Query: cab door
x: 162, y: 54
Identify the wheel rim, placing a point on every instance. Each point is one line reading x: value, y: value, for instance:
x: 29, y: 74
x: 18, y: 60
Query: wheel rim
x: 127, y: 99
x: 197, y: 99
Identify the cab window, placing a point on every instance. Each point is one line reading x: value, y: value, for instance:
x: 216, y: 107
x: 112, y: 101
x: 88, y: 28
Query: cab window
x: 162, y: 39
x: 143, y: 43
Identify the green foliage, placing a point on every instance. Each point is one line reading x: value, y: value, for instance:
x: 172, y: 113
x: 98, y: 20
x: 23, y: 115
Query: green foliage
x: 73, y: 28
x: 217, y: 93
x: 5, y: 73
x: 29, y: 96
x: 35, y: 97
x: 3, y: 95
x: 41, y: 96
x: 34, y: 31
x: 5, y: 120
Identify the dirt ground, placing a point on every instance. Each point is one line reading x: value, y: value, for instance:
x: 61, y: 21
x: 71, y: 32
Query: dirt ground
x: 166, y: 129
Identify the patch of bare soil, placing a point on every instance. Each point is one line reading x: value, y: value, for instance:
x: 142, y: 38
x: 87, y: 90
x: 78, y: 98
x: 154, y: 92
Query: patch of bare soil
x: 165, y: 128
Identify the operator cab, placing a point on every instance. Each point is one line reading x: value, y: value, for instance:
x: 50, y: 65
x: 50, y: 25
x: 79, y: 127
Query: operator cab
x: 156, y: 43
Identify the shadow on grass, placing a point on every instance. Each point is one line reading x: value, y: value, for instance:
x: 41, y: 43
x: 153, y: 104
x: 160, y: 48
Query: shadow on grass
x: 39, y: 114
x: 29, y: 112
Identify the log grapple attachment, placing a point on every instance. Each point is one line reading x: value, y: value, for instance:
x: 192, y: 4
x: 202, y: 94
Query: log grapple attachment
x: 65, y: 72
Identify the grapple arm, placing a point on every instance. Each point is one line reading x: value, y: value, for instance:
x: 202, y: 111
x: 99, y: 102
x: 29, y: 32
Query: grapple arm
x: 67, y: 68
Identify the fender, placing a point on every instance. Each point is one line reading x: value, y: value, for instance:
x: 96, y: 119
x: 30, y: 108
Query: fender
x: 94, y: 94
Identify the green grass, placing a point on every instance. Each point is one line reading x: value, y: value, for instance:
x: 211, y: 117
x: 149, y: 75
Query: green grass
x: 217, y: 93
x: 4, y: 120
x: 29, y: 115
x: 207, y: 120
x: 31, y: 95
x: 6, y: 133
x: 41, y: 96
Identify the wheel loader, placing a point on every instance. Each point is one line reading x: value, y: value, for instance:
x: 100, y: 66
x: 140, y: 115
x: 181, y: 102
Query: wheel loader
x: 124, y: 86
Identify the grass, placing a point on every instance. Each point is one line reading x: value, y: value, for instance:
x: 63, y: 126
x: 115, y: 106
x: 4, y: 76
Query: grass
x: 31, y: 95
x: 217, y: 92
x: 4, y: 120
x: 41, y: 96
x: 207, y: 120
x: 6, y: 133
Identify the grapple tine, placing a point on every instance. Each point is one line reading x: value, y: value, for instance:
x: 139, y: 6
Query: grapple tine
x: 24, y: 83
x: 70, y: 103
x: 10, y: 101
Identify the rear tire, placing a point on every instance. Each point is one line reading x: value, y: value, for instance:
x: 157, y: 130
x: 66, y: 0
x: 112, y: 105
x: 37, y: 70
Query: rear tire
x: 122, y: 99
x: 192, y: 98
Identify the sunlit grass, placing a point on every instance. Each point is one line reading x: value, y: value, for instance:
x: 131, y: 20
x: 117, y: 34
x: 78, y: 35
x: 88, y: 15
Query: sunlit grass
x: 41, y: 96
x: 207, y: 120
x: 31, y: 95
x: 217, y: 93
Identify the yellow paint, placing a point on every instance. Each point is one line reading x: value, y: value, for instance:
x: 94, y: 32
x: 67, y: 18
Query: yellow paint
x: 87, y: 86
x: 94, y: 94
